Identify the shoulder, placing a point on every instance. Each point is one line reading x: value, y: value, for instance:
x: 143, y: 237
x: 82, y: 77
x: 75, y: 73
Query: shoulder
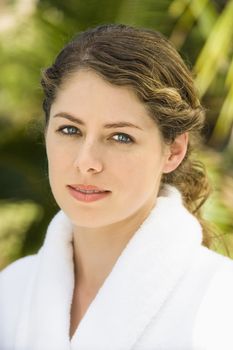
x: 14, y: 284
x: 21, y: 268
x: 213, y: 324
x: 15, y: 277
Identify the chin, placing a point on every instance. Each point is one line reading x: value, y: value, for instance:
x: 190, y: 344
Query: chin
x: 84, y: 217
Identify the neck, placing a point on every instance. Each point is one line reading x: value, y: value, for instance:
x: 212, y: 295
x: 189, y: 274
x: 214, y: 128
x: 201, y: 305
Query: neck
x: 96, y: 250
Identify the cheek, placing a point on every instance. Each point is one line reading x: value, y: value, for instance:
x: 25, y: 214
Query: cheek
x: 59, y: 159
x: 139, y: 171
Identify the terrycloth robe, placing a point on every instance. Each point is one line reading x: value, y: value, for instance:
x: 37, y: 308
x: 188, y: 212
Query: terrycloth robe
x: 165, y: 292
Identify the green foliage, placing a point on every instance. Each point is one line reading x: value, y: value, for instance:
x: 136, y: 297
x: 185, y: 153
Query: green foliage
x: 14, y: 227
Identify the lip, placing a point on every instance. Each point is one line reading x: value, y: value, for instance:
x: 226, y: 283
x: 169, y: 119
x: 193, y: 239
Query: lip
x: 87, y: 197
x: 87, y: 187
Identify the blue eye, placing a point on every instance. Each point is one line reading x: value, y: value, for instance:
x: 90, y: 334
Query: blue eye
x: 123, y: 138
x: 69, y: 130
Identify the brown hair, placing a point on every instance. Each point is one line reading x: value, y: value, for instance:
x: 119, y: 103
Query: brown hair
x: 148, y: 63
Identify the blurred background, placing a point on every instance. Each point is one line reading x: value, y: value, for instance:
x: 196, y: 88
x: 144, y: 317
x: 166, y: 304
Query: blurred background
x: 31, y: 34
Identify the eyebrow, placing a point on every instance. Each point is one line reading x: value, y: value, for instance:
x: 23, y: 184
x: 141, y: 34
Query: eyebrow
x: 76, y: 120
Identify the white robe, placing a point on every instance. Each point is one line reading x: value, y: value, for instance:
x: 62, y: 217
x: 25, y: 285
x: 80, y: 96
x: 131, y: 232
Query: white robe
x: 165, y: 292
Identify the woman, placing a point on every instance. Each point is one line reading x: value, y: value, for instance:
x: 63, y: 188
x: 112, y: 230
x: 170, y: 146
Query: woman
x: 124, y: 264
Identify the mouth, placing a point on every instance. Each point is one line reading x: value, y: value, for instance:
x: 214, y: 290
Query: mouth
x: 88, y: 189
x: 87, y: 193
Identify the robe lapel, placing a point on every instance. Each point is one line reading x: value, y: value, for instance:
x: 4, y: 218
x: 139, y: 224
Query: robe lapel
x: 45, y: 320
x: 142, y: 279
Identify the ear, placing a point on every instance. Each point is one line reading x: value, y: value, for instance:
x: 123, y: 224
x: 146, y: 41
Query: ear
x: 176, y: 153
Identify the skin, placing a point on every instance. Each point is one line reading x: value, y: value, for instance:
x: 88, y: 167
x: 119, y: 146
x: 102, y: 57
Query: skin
x: 129, y: 165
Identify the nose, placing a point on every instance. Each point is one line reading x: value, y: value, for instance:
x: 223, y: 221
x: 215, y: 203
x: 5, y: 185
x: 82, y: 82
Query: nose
x: 88, y: 158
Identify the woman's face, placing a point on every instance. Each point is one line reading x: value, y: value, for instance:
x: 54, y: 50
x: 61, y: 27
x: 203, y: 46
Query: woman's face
x: 101, y: 135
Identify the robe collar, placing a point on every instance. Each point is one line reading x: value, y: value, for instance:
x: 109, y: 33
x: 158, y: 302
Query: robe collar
x: 144, y: 276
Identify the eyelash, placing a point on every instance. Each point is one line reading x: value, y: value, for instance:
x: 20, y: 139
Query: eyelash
x: 68, y: 127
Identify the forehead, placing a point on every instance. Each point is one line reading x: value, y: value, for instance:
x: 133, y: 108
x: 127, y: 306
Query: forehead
x: 87, y: 94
